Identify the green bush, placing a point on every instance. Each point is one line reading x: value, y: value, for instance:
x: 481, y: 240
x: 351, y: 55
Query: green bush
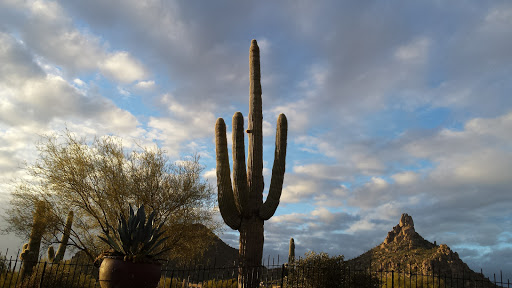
x: 63, y: 275
x: 178, y: 283
x: 3, y: 264
x: 321, y: 270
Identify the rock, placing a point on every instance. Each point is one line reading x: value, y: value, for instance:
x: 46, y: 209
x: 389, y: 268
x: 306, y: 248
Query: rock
x: 403, y: 245
x: 406, y: 221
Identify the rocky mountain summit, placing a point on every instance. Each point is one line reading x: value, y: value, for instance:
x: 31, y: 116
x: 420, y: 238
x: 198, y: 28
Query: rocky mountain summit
x: 404, y: 248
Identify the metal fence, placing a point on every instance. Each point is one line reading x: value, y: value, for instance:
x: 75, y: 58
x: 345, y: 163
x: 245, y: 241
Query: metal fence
x: 75, y: 274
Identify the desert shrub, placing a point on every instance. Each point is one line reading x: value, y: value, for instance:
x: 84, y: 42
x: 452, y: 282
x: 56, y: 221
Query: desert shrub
x: 3, y: 264
x: 64, y: 275
x: 316, y: 270
x: 362, y: 279
x: 230, y: 283
x: 320, y: 270
x: 178, y: 283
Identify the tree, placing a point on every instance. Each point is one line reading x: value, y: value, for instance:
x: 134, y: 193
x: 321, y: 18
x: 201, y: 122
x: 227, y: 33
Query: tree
x: 98, y: 179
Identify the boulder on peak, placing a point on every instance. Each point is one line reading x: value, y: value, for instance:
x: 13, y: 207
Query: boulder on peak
x: 404, y: 234
x: 406, y: 220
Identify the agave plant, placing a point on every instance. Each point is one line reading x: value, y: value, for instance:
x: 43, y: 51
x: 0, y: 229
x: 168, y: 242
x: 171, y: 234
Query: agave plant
x: 136, y: 238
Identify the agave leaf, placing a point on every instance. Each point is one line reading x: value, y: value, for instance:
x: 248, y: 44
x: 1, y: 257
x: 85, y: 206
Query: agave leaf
x: 141, y: 213
x: 111, y: 243
x: 132, y: 221
x: 153, y: 247
x: 104, y: 240
x: 155, y: 241
x: 131, y: 212
x: 136, y: 236
x: 148, y: 230
x: 122, y: 230
x: 161, y: 252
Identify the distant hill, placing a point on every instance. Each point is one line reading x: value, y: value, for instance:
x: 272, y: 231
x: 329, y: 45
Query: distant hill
x: 219, y: 254
x: 403, y: 246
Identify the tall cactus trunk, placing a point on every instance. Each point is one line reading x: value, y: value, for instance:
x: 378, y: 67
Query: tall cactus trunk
x: 250, y: 252
x: 241, y: 202
x: 30, y: 253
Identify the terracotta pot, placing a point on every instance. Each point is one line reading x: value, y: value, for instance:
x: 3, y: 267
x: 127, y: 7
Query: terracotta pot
x: 116, y: 273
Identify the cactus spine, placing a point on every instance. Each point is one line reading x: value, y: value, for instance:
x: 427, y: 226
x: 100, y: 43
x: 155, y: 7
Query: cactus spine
x: 241, y: 202
x: 65, y: 237
x: 30, y: 252
x: 291, y: 252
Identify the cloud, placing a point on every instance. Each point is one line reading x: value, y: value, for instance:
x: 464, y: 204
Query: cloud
x: 416, y: 51
x: 123, y: 68
x: 405, y: 178
x: 145, y: 85
x: 50, y: 33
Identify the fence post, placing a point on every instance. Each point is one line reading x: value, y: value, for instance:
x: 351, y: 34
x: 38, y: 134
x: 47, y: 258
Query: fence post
x: 42, y: 275
x: 392, y: 278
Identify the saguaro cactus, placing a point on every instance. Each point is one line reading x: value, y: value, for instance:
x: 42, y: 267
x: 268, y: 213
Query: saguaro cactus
x: 65, y: 237
x: 30, y: 251
x: 241, y: 203
x: 51, y: 254
x: 291, y: 252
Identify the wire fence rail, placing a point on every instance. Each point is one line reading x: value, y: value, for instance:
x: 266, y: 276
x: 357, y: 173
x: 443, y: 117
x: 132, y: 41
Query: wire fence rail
x: 73, y: 273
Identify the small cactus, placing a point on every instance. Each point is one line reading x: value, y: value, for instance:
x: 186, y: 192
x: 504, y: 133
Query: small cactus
x: 24, y: 252
x: 291, y: 252
x: 30, y: 252
x: 65, y: 237
x: 51, y: 254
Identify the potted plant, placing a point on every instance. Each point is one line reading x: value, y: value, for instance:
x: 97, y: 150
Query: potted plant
x: 131, y: 262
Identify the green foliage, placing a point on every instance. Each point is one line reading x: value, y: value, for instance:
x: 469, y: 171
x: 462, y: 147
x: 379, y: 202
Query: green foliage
x: 96, y: 179
x: 178, y: 283
x: 3, y: 264
x: 61, y: 275
x: 317, y: 270
x: 321, y: 270
x: 135, y: 237
x: 407, y: 280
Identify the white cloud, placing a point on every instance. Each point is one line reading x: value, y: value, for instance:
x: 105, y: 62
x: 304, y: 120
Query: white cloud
x: 298, y: 190
x: 122, y: 67
x: 415, y: 51
x: 145, y: 85
x: 79, y: 82
x: 405, y: 178
x: 123, y: 92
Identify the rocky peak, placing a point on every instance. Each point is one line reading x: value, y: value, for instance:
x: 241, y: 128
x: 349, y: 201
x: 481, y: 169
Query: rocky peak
x: 404, y: 234
x: 404, y: 246
x: 406, y: 221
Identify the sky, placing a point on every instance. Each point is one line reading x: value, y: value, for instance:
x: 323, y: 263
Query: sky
x: 393, y: 106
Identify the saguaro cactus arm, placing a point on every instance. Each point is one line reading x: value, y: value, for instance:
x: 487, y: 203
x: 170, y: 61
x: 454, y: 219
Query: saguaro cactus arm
x: 227, y: 203
x: 240, y: 189
x: 255, y: 157
x: 268, y: 208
